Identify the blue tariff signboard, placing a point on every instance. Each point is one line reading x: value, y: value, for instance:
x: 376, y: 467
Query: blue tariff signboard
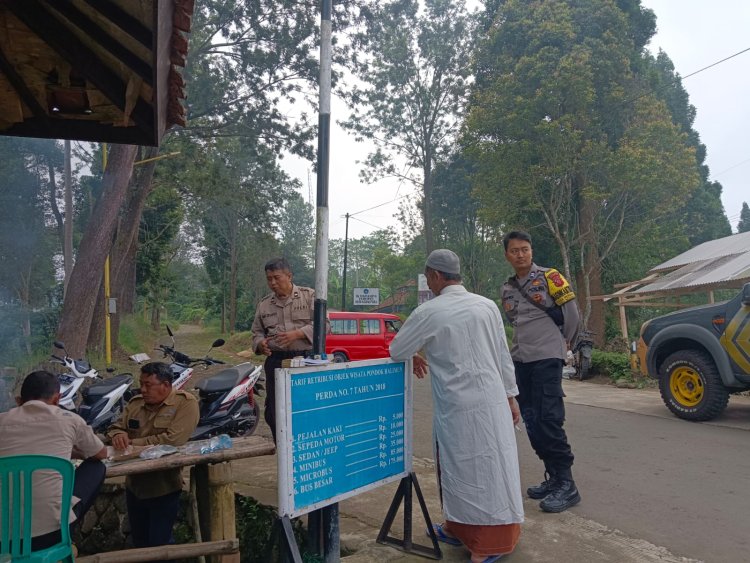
x: 342, y: 429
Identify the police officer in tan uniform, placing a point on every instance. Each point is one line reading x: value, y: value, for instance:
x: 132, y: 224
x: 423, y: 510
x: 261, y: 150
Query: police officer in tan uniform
x: 541, y: 307
x: 282, y: 328
x: 159, y: 415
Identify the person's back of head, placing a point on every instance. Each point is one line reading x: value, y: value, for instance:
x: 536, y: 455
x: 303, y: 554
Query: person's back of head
x: 40, y: 386
x: 446, y: 263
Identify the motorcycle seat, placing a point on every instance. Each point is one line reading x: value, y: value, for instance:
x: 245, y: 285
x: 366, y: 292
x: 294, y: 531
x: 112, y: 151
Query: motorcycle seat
x: 225, y: 380
x: 98, y: 390
x: 82, y: 366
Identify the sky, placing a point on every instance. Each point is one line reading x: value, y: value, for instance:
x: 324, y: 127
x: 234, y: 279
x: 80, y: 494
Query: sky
x: 694, y: 33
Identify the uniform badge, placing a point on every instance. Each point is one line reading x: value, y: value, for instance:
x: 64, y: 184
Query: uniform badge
x: 556, y: 279
x: 538, y: 297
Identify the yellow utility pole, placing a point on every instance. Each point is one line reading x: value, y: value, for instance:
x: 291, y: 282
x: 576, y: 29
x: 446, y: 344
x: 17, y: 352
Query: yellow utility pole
x: 107, y: 294
x: 107, y: 325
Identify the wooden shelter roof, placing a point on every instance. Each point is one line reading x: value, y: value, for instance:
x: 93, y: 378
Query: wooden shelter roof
x: 93, y: 70
x: 717, y: 264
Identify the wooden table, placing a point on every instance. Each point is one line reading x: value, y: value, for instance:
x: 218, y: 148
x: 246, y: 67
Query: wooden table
x: 214, y: 492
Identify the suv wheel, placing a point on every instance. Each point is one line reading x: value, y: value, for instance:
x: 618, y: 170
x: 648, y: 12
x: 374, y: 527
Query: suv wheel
x: 340, y: 357
x: 691, y: 387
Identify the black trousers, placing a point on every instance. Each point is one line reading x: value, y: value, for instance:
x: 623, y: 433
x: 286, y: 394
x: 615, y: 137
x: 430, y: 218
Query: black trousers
x: 269, y: 412
x: 541, y: 402
x: 152, y: 519
x: 89, y: 477
x: 269, y: 367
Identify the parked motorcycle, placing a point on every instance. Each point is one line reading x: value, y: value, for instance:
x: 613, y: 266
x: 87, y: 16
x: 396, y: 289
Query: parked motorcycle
x: 101, y: 403
x: 228, y: 404
x: 227, y: 399
x: 183, y: 366
x: 582, y: 354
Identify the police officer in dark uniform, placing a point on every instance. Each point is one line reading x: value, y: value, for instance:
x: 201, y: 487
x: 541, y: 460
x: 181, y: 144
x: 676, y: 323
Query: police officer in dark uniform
x: 540, y: 304
x: 282, y: 328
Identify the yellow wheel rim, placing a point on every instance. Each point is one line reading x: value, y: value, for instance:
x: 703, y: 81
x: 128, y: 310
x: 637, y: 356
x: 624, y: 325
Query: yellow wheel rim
x: 686, y: 386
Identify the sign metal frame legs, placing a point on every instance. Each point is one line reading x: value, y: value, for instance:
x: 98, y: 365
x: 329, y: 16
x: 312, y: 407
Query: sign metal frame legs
x: 283, y: 532
x: 408, y: 485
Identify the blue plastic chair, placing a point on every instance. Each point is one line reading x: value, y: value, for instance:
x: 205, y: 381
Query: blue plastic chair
x: 16, y: 484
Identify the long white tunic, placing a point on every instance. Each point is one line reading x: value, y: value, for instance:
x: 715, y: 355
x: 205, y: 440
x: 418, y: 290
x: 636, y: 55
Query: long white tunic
x: 472, y: 377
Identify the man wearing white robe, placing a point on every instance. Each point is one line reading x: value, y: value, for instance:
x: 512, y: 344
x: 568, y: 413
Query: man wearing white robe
x: 474, y: 410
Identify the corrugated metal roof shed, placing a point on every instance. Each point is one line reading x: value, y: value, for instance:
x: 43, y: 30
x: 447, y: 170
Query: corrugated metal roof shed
x: 727, y: 246
x: 717, y: 264
x: 705, y: 274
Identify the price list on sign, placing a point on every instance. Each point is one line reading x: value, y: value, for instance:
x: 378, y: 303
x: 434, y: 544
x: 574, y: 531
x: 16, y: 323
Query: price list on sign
x: 347, y: 432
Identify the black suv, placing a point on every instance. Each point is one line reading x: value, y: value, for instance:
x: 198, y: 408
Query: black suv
x: 699, y: 355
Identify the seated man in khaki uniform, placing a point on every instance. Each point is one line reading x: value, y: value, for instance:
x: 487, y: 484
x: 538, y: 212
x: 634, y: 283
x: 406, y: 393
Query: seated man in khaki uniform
x: 39, y: 426
x: 159, y: 415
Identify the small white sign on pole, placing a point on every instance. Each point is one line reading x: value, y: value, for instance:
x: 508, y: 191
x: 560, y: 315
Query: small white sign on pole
x: 423, y: 290
x: 366, y: 296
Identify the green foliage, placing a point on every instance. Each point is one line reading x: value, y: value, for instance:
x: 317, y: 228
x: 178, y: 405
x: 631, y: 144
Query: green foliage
x: 460, y: 227
x: 571, y: 138
x: 255, y: 523
x: 743, y: 225
x: 136, y: 335
x: 411, y: 60
x: 160, y: 223
x: 29, y: 294
x: 703, y: 213
x: 297, y: 238
x: 615, y: 365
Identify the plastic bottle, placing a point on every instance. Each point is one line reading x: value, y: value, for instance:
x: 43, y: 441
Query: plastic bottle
x: 194, y: 448
x: 221, y: 442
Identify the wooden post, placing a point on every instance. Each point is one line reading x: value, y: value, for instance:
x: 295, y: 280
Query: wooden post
x: 221, y: 508
x: 623, y: 319
x: 711, y: 296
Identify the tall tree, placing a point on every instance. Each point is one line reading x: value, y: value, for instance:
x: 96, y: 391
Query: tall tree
x: 246, y: 58
x: 565, y: 133
x: 460, y: 226
x: 703, y: 211
x: 411, y: 63
x: 69, y: 216
x: 86, y: 278
x: 297, y: 237
x: 27, y: 275
x: 743, y: 226
x: 235, y: 194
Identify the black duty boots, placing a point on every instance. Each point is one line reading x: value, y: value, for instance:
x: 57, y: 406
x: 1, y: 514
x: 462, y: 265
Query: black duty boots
x: 563, y: 496
x: 558, y: 491
x: 543, y: 489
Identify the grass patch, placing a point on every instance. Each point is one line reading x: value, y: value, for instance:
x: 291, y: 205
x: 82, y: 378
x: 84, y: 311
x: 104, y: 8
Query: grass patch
x: 136, y: 335
x: 614, y: 365
x: 255, y: 523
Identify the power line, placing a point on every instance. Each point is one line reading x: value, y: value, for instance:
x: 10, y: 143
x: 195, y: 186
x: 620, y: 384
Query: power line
x: 717, y: 63
x: 678, y: 78
x: 366, y: 223
x: 380, y: 205
x: 731, y: 168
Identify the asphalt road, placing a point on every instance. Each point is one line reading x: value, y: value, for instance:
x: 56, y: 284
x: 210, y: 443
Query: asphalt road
x: 678, y: 485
